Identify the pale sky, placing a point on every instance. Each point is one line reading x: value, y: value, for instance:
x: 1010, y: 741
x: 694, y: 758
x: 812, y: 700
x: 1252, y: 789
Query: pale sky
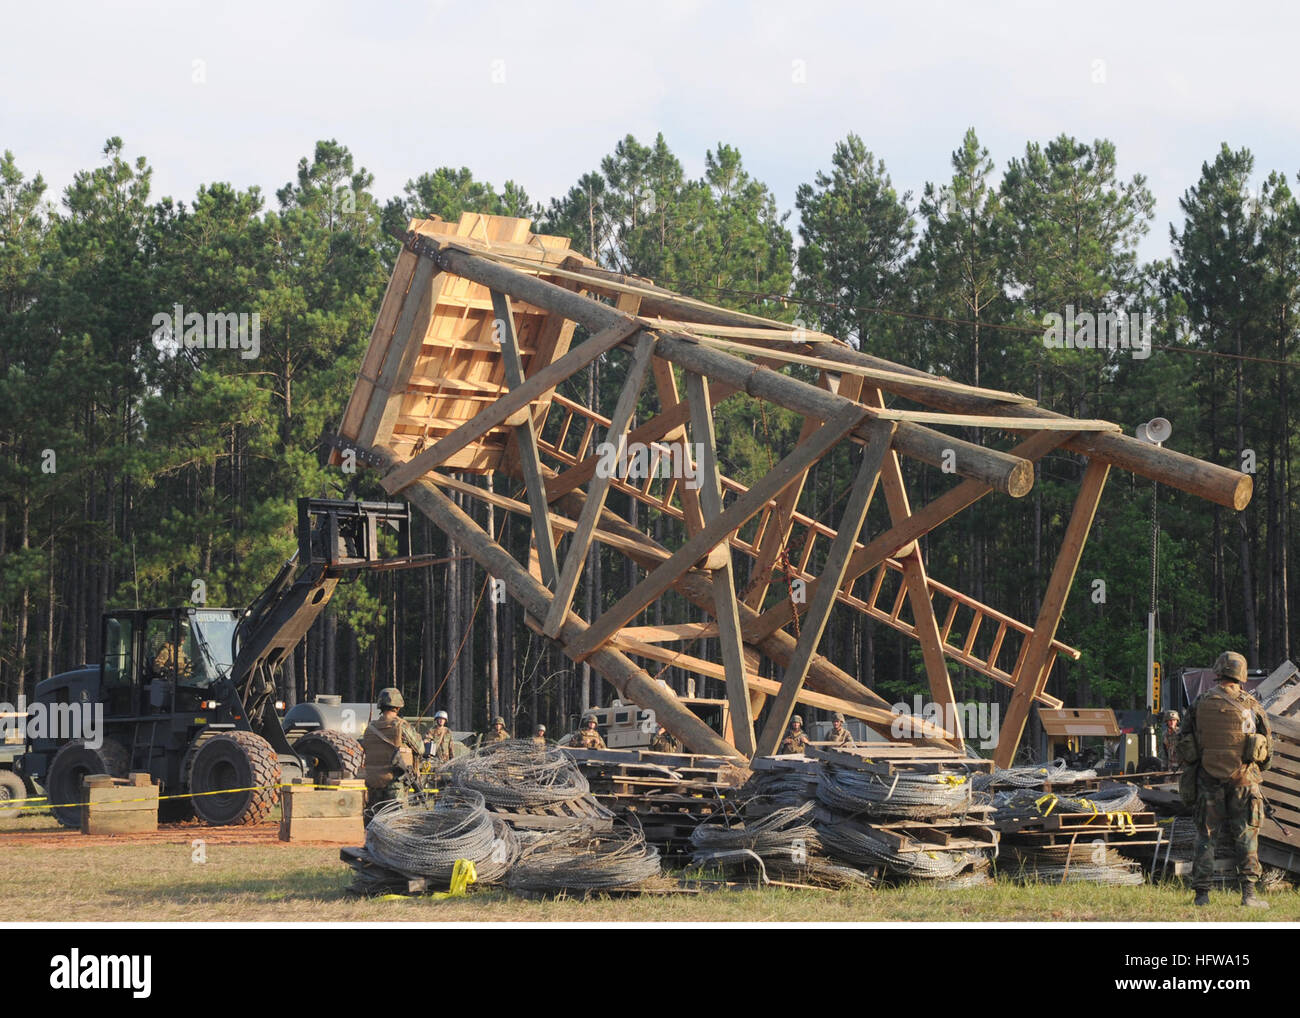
x: 410, y: 87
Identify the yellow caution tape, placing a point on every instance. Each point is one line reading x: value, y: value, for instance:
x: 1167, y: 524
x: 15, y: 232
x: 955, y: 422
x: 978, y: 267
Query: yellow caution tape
x: 952, y: 780
x: 462, y: 875
x: 5, y: 803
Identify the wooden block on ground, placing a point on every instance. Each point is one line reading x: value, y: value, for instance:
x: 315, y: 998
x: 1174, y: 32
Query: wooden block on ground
x: 112, y: 808
x: 339, y: 830
x: 312, y: 803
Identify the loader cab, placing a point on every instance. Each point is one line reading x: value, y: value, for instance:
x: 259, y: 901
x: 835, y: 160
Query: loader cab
x: 161, y: 661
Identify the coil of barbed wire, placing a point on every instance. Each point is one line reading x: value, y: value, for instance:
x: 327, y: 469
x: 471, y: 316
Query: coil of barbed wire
x: 428, y: 841
x: 771, y: 789
x: 518, y: 774
x: 860, y: 846
x: 1032, y: 776
x: 578, y: 859
x: 1119, y: 798
x: 787, y: 831
x: 901, y: 795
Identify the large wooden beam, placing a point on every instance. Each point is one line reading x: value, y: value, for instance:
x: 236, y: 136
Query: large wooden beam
x: 632, y: 683
x: 1218, y: 484
x: 819, y: 612
x: 924, y: 623
x: 1031, y: 670
x: 616, y: 436
x: 530, y: 460
x: 719, y: 529
x: 510, y: 403
x: 724, y: 582
x: 877, y: 716
x: 1007, y: 474
x: 400, y: 357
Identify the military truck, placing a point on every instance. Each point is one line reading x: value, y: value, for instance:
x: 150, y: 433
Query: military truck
x: 187, y: 694
x: 627, y: 726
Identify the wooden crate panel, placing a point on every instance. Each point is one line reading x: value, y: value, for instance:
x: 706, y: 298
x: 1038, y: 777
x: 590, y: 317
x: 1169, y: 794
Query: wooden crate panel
x: 433, y: 362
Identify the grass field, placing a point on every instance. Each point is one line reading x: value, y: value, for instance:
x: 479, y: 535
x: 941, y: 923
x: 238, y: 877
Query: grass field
x: 55, y: 876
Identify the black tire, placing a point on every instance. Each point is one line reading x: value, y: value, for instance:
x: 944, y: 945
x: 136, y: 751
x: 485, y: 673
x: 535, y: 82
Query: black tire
x: 240, y: 761
x: 71, y: 763
x: 175, y: 811
x: 325, y: 752
x: 11, y: 790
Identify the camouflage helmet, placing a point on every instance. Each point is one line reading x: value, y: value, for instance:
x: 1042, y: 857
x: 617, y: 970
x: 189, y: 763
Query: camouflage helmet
x: 837, y: 716
x: 588, y: 719
x: 441, y: 714
x: 1173, y: 715
x: 499, y: 721
x: 797, y: 720
x: 1231, y: 667
x: 541, y: 729
x: 391, y: 697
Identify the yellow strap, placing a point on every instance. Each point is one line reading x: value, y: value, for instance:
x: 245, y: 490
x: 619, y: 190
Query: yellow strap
x: 462, y: 875
x: 952, y: 780
x: 1050, y: 799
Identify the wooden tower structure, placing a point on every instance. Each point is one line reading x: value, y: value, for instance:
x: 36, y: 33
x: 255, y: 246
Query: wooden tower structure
x: 476, y: 331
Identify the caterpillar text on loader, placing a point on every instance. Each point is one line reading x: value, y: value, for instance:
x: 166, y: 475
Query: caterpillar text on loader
x: 188, y: 694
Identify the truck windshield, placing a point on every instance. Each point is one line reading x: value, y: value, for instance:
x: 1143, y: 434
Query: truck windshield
x: 213, y: 636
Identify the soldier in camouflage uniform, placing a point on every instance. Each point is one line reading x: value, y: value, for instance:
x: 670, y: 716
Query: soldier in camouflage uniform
x: 796, y: 739
x: 588, y: 736
x: 498, y: 733
x: 840, y: 737
x: 539, y: 739
x: 663, y: 742
x: 391, y: 747
x: 438, y: 740
x: 1172, y: 720
x: 1226, y: 738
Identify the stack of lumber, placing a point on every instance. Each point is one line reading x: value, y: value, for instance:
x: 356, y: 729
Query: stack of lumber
x: 668, y: 794
x: 1279, y: 837
x: 333, y: 815
x: 890, y: 834
x: 119, y: 805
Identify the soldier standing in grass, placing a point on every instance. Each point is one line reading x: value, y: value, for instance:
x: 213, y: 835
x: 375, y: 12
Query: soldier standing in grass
x: 391, y: 747
x: 1225, y: 740
x: 796, y: 739
x: 588, y: 736
x: 840, y: 737
x: 498, y: 733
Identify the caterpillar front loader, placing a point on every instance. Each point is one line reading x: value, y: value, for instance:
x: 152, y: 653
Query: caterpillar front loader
x: 188, y: 694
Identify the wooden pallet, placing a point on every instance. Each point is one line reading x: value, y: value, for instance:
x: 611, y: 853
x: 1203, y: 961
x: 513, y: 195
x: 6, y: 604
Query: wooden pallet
x: 901, y: 760
x: 433, y: 361
x: 1068, y: 822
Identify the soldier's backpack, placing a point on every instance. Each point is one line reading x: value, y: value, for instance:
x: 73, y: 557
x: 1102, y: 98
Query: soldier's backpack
x: 1223, y: 723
